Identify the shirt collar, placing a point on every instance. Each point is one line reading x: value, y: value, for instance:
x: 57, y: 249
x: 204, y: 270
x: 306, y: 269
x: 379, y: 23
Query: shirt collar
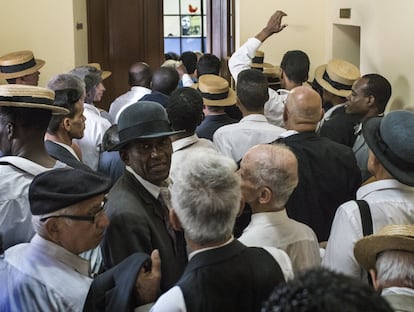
x: 153, y: 189
x: 184, y: 142
x: 254, y: 117
x: 59, y: 253
x: 288, y: 133
x: 192, y: 254
x: 397, y: 291
x: 91, y: 108
x: 275, y: 217
x: 379, y: 185
x: 69, y: 148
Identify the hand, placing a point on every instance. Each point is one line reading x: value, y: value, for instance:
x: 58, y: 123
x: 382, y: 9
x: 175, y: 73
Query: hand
x: 148, y: 282
x: 274, y: 25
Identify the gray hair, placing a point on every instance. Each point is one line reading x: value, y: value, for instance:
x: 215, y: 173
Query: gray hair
x: 206, y: 196
x: 40, y: 226
x: 66, y: 81
x: 395, y: 266
x: 277, y: 168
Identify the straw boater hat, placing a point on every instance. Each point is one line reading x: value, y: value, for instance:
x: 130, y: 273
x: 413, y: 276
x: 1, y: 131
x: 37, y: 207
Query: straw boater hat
x: 271, y: 72
x: 390, y: 139
x: 215, y: 91
x: 14, y: 95
x: 104, y: 73
x: 391, y: 237
x: 19, y: 64
x: 337, y: 77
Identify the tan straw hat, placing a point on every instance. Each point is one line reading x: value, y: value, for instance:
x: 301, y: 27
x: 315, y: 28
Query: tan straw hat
x: 337, y: 76
x: 14, y: 95
x: 215, y: 91
x: 391, y: 237
x: 19, y: 64
x: 105, y: 73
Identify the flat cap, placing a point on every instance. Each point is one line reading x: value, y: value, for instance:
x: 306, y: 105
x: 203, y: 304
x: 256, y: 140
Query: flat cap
x: 59, y: 188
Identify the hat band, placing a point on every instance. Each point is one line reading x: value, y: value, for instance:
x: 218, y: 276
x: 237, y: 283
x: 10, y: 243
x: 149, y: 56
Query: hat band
x: 26, y: 99
x: 390, y: 155
x: 214, y: 96
x: 258, y: 59
x: 151, y: 127
x: 336, y: 85
x: 8, y: 69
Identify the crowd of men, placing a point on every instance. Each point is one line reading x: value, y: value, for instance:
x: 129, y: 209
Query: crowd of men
x: 191, y: 196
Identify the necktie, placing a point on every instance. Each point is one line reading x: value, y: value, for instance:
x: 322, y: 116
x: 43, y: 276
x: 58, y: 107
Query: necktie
x: 165, y: 200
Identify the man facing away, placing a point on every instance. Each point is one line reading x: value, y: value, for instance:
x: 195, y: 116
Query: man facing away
x: 138, y: 203
x: 235, y: 139
x: 389, y: 258
x: 328, y: 173
x: 294, y: 68
x: 139, y: 78
x: 390, y: 198
x: 20, y: 68
x: 25, y: 112
x: 222, y: 274
x: 269, y: 174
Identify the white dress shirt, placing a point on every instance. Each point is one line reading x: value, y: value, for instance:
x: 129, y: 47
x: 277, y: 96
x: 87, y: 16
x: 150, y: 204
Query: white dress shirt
x: 46, y: 277
x: 276, y: 229
x: 234, y: 140
x: 173, y: 300
x: 241, y: 60
x: 125, y: 100
x: 390, y: 202
x: 90, y: 144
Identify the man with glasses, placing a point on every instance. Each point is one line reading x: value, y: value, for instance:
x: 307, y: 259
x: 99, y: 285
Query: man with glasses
x: 138, y: 202
x: 48, y: 274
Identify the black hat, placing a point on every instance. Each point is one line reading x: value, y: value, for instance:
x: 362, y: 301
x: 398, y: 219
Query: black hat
x: 143, y: 120
x: 390, y: 139
x: 59, y: 188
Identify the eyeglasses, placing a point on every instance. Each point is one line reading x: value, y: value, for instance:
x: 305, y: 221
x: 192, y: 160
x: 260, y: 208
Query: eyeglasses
x: 91, y: 219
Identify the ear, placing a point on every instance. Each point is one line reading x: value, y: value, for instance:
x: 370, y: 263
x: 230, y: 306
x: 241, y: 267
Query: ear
x: 285, y: 113
x: 175, y: 222
x: 265, y: 195
x: 241, y: 208
x: 66, y: 123
x: 52, y: 228
x: 322, y: 114
x: 124, y: 156
x: 10, y: 131
x: 375, y: 282
x: 371, y: 101
x: 237, y: 101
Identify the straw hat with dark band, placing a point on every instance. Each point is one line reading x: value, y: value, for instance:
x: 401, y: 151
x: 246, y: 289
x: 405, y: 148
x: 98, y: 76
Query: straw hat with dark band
x: 18, y: 64
x: 215, y: 91
x: 14, y: 95
x: 390, y: 139
x: 271, y: 72
x: 391, y: 237
x: 337, y: 77
x: 104, y: 73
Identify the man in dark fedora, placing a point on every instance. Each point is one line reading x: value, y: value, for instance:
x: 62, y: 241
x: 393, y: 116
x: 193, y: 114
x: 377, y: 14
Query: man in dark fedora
x: 390, y: 199
x: 389, y: 258
x: 336, y: 79
x: 48, y: 274
x: 137, y: 204
x: 25, y: 112
x: 215, y: 115
x: 20, y: 68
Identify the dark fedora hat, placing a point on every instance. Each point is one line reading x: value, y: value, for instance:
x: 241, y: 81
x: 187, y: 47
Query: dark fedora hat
x: 143, y: 120
x: 390, y: 139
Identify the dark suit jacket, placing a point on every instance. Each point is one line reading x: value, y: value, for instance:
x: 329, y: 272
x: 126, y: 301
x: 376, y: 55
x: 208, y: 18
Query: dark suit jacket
x: 137, y: 224
x: 328, y: 177
x: 60, y: 153
x: 114, y: 290
x: 211, y: 123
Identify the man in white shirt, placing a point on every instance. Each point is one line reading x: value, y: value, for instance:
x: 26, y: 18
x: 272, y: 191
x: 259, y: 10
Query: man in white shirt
x: 269, y: 174
x: 389, y: 258
x: 222, y: 274
x: 235, y: 139
x: 139, y: 78
x: 390, y: 198
x: 294, y: 68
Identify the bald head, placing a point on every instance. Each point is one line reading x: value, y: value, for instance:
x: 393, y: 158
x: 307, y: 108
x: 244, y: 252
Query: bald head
x: 273, y: 166
x: 140, y: 74
x: 303, y: 109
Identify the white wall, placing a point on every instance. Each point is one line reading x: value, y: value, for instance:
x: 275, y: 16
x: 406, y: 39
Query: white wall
x: 47, y: 28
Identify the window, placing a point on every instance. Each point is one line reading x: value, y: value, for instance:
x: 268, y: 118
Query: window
x: 184, y: 26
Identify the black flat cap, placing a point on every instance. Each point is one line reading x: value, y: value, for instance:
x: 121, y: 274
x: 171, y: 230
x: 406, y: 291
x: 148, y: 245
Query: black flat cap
x: 59, y: 188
